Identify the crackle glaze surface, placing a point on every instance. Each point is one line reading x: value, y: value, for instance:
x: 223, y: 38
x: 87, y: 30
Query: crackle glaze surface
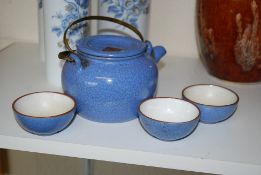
x: 229, y: 38
x: 44, y: 113
x: 166, y: 130
x: 44, y: 126
x: 215, y: 114
x: 216, y: 103
x: 109, y: 89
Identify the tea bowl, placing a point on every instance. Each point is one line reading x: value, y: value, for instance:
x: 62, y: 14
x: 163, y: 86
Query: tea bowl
x: 168, y: 119
x: 216, y: 103
x: 44, y: 113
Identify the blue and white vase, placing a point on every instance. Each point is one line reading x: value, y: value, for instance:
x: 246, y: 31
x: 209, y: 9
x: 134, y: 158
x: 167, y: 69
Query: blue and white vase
x: 58, y: 14
x: 134, y: 12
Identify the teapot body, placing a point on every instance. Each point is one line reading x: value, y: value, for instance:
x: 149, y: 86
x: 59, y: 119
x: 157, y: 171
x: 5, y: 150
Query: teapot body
x: 110, y: 90
x: 108, y: 75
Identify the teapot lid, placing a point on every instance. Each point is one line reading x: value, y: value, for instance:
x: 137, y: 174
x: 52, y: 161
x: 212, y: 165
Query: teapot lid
x: 110, y: 46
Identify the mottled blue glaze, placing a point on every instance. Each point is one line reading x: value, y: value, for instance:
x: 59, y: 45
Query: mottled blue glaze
x: 214, y: 114
x: 168, y: 131
x: 45, y: 125
x: 109, y: 85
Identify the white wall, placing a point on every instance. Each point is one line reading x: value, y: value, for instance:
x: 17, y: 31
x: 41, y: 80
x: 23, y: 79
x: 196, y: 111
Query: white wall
x: 171, y: 24
x: 18, y: 20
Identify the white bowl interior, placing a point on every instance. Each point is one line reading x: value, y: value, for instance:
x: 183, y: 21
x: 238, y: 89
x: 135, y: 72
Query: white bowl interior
x: 210, y: 95
x: 169, y: 110
x: 44, y: 104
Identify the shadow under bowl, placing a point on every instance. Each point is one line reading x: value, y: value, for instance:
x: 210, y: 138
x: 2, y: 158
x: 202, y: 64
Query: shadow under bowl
x: 44, y: 113
x: 216, y: 103
x: 168, y: 119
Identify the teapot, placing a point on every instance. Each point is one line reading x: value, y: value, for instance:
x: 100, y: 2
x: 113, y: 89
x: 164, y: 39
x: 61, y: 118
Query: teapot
x: 109, y: 75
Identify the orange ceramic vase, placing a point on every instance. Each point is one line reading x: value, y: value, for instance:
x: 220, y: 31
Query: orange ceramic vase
x: 229, y: 35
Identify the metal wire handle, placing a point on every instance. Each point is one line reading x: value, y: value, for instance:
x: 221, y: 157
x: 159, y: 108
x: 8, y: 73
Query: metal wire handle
x: 103, y: 18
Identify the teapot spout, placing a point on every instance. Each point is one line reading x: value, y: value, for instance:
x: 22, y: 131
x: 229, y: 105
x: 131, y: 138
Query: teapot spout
x: 158, y: 52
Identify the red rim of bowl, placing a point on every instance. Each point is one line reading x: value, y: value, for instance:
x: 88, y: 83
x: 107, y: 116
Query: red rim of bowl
x: 197, y: 117
x: 52, y: 116
x: 185, y: 98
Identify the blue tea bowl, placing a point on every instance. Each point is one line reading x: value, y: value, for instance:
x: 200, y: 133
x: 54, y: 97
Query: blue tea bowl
x: 168, y: 119
x: 216, y: 103
x: 44, y: 113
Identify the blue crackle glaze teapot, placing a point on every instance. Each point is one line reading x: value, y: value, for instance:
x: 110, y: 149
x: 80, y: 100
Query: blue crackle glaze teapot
x: 109, y: 76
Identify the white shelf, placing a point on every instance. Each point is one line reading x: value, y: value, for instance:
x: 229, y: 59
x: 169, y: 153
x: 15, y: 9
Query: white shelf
x: 230, y: 147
